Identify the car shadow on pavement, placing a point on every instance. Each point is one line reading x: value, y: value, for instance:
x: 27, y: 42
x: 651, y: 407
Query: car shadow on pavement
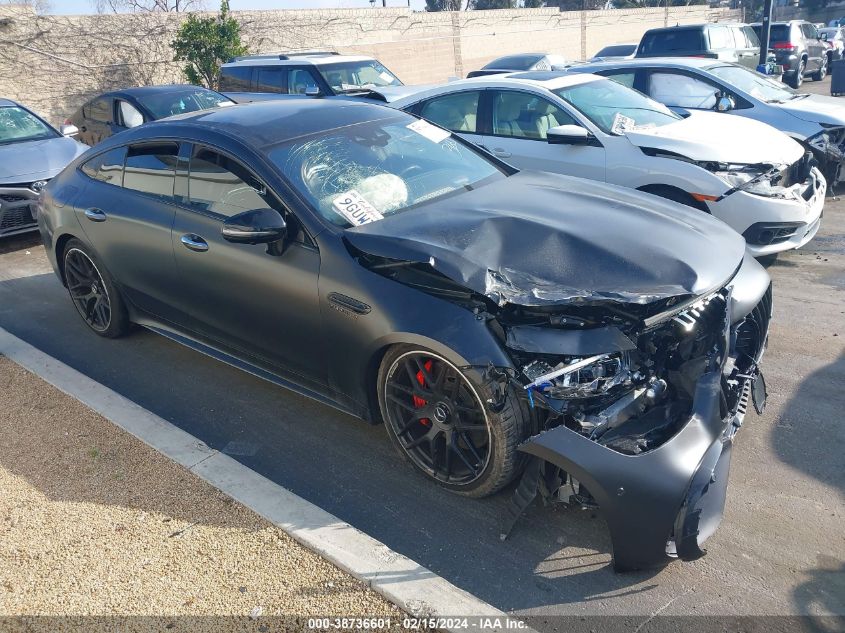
x: 555, y: 555
x: 18, y: 242
x: 810, y: 437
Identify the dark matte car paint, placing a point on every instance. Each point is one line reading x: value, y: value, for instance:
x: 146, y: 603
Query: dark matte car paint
x: 286, y: 316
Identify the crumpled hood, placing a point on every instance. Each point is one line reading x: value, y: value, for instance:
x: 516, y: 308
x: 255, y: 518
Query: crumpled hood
x: 537, y: 238
x: 817, y: 109
x: 37, y: 160
x: 712, y: 136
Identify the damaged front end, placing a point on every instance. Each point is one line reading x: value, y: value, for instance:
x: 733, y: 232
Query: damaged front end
x: 636, y: 414
x: 829, y: 149
x: 633, y: 328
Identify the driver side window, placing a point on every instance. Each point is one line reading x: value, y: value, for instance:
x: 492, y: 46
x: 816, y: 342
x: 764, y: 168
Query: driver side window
x: 527, y: 116
x: 218, y: 184
x: 682, y: 91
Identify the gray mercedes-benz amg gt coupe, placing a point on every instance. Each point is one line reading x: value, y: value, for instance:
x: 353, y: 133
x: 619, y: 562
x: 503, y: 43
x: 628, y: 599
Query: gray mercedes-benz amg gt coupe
x: 582, y: 336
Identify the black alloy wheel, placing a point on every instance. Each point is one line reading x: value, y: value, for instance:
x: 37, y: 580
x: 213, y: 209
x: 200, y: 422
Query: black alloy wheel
x: 93, y: 292
x: 87, y: 290
x: 437, y: 418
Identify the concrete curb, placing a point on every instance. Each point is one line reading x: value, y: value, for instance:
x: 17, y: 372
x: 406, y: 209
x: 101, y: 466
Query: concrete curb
x: 417, y: 590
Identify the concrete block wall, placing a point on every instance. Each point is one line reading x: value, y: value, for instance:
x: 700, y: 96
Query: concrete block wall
x: 54, y: 63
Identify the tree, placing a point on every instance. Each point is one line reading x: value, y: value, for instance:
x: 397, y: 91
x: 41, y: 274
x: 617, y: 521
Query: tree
x: 205, y: 43
x: 147, y: 6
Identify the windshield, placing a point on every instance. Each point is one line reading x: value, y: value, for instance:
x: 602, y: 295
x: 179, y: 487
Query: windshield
x: 361, y: 173
x: 163, y: 104
x: 753, y: 83
x: 352, y: 76
x: 615, y: 108
x: 18, y: 125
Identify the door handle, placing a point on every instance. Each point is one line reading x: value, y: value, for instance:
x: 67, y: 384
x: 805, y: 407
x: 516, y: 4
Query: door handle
x: 194, y: 243
x: 498, y: 151
x: 95, y: 215
x: 84, y: 129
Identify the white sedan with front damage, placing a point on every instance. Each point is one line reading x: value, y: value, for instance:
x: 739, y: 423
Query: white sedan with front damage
x: 756, y: 179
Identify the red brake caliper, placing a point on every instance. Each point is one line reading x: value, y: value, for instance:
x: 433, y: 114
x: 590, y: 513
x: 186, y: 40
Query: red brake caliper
x: 419, y: 403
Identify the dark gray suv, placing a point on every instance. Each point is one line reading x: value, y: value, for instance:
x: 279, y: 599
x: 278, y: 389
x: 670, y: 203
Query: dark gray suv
x: 727, y: 42
x: 799, y: 48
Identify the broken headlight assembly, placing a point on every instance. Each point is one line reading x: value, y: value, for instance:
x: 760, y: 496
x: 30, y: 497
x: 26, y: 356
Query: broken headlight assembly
x: 761, y: 180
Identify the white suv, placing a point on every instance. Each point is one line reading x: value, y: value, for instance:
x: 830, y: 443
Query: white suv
x: 746, y: 173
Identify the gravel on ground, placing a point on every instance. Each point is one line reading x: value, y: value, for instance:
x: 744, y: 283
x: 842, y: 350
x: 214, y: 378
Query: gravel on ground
x: 95, y: 523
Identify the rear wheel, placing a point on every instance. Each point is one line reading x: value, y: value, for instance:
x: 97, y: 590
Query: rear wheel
x: 795, y: 79
x: 92, y: 291
x: 821, y: 73
x: 437, y: 419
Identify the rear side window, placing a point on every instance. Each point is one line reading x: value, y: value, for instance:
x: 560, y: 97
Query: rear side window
x: 720, y: 37
x: 667, y: 42
x: 457, y: 112
x: 150, y: 168
x: 236, y: 79
x: 272, y: 80
x: 106, y: 167
x: 218, y: 184
x: 100, y: 110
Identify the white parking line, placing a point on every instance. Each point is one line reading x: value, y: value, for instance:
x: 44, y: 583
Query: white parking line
x: 404, y: 582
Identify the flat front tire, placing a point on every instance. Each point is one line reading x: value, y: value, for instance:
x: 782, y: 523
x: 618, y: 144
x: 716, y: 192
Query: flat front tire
x: 437, y: 419
x: 93, y: 292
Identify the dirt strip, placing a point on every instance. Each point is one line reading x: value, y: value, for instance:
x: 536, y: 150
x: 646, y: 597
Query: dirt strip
x: 95, y: 523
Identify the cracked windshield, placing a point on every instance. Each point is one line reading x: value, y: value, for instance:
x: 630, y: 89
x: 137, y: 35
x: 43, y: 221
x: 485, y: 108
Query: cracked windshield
x: 364, y: 172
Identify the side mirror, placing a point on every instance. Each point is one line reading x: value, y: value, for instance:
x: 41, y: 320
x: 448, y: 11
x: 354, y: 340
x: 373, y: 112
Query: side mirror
x: 824, y: 36
x: 259, y: 226
x: 568, y: 135
x: 312, y: 91
x: 68, y: 130
x: 724, y: 103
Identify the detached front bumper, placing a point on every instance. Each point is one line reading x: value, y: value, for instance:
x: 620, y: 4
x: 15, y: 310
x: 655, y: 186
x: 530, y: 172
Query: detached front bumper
x: 662, y: 504
x: 772, y: 225
x: 665, y: 503
x: 18, y: 209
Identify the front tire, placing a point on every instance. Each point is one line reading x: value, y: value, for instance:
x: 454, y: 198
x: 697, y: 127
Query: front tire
x: 437, y: 419
x: 93, y: 292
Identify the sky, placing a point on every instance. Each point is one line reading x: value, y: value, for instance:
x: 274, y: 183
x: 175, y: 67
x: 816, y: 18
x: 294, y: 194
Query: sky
x: 86, y: 6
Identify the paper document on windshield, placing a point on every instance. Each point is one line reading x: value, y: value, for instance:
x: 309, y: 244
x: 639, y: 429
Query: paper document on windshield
x: 622, y: 124
x: 431, y: 132
x: 355, y: 208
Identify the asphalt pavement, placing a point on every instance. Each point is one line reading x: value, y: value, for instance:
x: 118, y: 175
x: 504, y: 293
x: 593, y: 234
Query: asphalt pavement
x: 779, y: 551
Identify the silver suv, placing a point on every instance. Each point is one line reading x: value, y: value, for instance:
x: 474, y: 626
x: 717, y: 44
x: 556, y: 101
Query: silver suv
x: 312, y: 73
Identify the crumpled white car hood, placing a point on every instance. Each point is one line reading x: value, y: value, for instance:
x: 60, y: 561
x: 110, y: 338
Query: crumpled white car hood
x: 710, y: 136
